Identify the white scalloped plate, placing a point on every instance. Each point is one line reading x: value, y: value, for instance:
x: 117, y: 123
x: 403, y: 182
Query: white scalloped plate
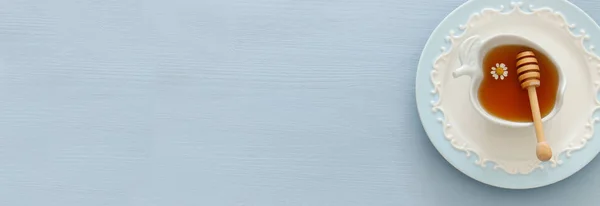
x: 494, y: 154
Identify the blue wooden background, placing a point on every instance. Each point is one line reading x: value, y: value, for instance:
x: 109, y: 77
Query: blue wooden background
x: 229, y: 103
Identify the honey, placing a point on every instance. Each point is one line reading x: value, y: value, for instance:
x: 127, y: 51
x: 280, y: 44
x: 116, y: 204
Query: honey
x: 500, y: 93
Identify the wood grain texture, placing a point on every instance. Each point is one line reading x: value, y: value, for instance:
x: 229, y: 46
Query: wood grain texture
x: 229, y: 103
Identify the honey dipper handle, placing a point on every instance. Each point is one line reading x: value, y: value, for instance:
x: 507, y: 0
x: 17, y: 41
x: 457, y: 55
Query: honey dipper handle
x: 543, y: 151
x: 535, y: 111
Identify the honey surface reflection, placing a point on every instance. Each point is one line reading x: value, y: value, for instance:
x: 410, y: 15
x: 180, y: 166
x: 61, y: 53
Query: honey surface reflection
x: 500, y: 93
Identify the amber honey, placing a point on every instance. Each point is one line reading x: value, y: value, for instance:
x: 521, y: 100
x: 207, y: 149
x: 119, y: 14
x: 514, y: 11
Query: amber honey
x: 500, y: 93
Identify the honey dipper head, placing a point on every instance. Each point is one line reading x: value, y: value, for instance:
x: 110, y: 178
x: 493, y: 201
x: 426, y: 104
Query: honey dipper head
x: 528, y: 70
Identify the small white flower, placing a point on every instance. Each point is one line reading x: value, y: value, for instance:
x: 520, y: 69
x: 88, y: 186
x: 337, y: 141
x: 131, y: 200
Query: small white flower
x: 500, y: 70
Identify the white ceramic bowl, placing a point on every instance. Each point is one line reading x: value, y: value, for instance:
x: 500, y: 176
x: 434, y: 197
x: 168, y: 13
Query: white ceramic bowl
x: 471, y: 54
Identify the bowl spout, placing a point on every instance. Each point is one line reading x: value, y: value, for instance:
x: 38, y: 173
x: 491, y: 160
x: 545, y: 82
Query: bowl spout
x: 469, y: 57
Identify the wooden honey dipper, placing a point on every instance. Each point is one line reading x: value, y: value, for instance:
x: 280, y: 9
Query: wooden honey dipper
x: 528, y: 73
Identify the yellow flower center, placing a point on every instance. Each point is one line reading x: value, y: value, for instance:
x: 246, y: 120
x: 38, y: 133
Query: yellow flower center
x: 499, y: 71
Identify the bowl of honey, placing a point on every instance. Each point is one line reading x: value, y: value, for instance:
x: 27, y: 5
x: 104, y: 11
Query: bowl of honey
x: 495, y: 91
